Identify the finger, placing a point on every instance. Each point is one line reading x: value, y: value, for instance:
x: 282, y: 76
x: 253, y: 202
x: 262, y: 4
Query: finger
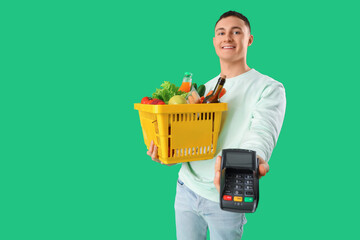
x: 154, y: 153
x: 217, y: 180
x: 261, y: 160
x: 266, y: 166
x: 151, y: 148
x: 262, y: 170
x: 218, y: 163
x: 217, y: 173
x: 263, y: 166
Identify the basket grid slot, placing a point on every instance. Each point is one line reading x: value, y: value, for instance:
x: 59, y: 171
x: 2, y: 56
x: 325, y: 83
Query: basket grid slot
x: 156, y: 126
x: 213, y: 120
x: 190, y: 152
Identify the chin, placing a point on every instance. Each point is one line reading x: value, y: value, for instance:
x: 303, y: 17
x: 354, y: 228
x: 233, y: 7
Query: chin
x: 230, y: 59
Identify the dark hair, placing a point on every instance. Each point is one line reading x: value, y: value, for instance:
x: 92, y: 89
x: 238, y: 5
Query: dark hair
x: 235, y: 14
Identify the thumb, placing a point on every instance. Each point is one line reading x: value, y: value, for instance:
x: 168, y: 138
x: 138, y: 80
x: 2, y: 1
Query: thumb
x: 217, y: 180
x: 217, y: 173
x: 262, y: 170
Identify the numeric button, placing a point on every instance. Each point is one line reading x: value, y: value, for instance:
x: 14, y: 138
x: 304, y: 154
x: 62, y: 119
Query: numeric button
x: 238, y: 187
x: 238, y: 192
x: 227, y: 191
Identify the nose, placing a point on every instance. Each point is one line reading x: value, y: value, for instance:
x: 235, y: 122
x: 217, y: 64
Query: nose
x: 228, y: 38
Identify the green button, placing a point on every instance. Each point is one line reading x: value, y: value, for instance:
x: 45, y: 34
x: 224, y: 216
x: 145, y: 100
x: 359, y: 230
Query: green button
x: 248, y: 199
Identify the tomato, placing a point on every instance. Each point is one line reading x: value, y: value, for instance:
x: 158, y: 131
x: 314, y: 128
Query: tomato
x: 157, y: 102
x: 146, y: 100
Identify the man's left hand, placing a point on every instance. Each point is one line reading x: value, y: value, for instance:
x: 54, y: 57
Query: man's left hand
x: 263, y: 169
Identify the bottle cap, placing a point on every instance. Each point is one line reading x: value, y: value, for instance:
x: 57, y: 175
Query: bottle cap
x: 188, y: 74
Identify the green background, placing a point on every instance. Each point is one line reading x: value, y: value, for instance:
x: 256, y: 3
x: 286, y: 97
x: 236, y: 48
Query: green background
x: 73, y: 163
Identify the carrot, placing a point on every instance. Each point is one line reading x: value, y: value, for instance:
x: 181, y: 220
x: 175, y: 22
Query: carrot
x: 191, y: 100
x: 196, y: 97
x: 223, y: 91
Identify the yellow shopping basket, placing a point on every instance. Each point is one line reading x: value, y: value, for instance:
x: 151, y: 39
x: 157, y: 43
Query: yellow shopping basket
x: 182, y: 132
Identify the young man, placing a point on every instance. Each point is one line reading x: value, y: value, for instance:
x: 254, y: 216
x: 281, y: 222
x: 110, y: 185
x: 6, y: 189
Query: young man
x: 256, y: 109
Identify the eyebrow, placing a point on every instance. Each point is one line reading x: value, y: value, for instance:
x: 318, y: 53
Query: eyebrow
x: 224, y: 28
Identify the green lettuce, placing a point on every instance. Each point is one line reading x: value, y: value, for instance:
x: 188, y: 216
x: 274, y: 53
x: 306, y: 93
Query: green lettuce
x: 167, y: 91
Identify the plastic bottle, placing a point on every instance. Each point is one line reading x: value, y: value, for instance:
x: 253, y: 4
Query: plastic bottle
x: 214, y: 97
x: 186, y: 84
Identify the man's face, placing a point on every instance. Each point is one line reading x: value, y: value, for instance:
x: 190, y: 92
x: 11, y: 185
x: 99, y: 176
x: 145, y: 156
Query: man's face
x: 232, y: 37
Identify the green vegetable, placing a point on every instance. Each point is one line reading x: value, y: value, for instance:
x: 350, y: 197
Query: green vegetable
x: 167, y: 91
x: 201, y: 90
x: 194, y: 85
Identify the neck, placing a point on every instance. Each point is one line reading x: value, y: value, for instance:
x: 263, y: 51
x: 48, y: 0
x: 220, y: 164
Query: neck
x: 233, y: 69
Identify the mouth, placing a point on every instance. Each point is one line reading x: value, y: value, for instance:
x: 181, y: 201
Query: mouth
x: 228, y: 47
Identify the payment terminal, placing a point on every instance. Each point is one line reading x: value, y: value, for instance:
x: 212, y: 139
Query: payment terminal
x: 239, y: 181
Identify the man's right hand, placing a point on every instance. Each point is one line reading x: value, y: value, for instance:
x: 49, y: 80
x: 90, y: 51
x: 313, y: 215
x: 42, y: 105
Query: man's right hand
x: 153, y: 153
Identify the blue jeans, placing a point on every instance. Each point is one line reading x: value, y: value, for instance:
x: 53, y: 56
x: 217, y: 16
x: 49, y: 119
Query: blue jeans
x: 195, y: 214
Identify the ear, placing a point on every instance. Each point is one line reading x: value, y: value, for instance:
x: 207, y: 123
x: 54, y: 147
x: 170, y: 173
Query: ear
x: 251, y: 40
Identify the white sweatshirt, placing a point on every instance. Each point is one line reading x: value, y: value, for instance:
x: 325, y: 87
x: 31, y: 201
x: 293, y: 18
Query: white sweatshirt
x: 256, y: 109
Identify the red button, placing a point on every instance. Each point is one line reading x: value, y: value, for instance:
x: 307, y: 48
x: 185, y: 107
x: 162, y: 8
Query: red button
x: 227, y: 197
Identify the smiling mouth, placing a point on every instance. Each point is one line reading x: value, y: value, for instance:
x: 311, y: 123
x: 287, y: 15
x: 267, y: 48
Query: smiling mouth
x: 228, y: 47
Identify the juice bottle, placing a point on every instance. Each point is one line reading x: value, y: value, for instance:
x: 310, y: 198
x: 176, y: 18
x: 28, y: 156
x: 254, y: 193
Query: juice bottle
x: 186, y: 84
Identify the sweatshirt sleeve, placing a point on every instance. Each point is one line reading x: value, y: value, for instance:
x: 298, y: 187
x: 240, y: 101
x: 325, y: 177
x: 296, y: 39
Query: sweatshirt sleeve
x: 266, y: 121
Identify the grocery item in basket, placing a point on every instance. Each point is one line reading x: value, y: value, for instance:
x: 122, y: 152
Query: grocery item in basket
x: 201, y: 90
x: 167, y: 91
x: 186, y: 83
x: 223, y: 91
x: 146, y: 100
x: 215, y: 96
x: 157, y: 102
x: 177, y: 100
x: 193, y: 96
x: 194, y: 85
x: 153, y: 101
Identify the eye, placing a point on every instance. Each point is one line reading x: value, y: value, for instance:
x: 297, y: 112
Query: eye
x: 221, y: 33
x: 237, y: 32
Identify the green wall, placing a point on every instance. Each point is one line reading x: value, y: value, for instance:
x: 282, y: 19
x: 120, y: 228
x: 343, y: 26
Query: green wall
x: 73, y: 163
